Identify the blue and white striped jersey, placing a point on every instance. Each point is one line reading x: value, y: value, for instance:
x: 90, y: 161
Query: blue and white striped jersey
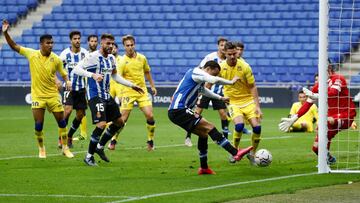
x: 218, y: 89
x: 70, y: 60
x: 96, y: 63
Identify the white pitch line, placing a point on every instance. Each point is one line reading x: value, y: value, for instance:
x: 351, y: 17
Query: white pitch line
x: 212, y: 187
x: 127, y: 148
x: 63, y: 196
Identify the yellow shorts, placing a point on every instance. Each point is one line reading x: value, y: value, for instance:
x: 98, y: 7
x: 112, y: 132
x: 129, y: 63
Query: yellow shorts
x: 247, y: 112
x: 298, y: 127
x: 52, y: 104
x: 115, y: 90
x: 127, y: 102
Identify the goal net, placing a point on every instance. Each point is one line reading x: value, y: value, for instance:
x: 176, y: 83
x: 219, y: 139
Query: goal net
x: 339, y: 42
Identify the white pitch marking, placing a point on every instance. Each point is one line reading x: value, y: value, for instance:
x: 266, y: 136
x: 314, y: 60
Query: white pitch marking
x: 128, y: 148
x: 212, y: 187
x: 62, y: 196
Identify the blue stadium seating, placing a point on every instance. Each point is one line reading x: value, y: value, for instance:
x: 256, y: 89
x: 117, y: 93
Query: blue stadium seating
x: 280, y: 36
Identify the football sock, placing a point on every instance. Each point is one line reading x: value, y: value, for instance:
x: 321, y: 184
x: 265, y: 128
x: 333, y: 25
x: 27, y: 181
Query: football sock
x: 202, y: 147
x: 255, y: 138
x: 94, y: 140
x: 63, y: 136
x: 109, y: 132
x: 222, y: 141
x: 237, y: 134
x: 39, y: 135
x: 225, y: 127
x: 74, y: 127
x: 83, y: 127
x: 188, y: 135
x: 150, y: 125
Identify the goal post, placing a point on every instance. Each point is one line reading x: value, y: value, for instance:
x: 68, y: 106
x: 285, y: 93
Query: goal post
x: 338, y: 33
x: 323, y: 107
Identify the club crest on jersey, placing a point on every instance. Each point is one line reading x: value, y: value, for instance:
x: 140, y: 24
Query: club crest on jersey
x: 51, y: 59
x: 239, y: 68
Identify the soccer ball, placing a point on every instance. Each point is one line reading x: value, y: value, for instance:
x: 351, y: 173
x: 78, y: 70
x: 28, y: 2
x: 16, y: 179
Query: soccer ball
x: 263, y: 158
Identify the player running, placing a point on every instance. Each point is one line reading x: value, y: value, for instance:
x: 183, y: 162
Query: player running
x: 180, y: 111
x: 341, y: 109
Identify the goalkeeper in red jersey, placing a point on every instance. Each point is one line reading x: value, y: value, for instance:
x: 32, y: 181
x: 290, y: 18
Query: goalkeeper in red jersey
x: 341, y: 109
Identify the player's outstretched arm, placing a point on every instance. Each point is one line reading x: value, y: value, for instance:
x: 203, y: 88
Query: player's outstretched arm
x: 127, y: 83
x: 200, y: 76
x: 9, y: 40
x: 205, y: 91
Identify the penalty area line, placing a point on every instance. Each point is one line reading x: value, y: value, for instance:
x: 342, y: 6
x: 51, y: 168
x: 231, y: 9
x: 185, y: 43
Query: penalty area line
x: 212, y: 187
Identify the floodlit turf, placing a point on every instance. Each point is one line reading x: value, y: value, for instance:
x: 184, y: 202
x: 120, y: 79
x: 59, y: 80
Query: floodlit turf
x: 168, y: 174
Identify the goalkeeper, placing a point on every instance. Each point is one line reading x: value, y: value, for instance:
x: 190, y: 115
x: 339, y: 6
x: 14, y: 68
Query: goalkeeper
x: 305, y: 123
x: 341, y: 109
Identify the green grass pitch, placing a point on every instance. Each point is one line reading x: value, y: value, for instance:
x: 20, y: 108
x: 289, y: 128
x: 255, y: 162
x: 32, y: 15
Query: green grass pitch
x: 168, y: 174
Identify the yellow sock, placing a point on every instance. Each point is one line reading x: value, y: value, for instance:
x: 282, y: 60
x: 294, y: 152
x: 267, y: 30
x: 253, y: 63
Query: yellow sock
x: 150, y: 132
x: 255, y: 140
x: 63, y: 136
x: 39, y: 135
x: 83, y: 127
x: 236, y: 138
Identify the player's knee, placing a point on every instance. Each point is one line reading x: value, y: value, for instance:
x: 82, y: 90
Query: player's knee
x: 39, y: 126
x: 150, y: 121
x: 239, y: 127
x: 95, y: 136
x: 257, y: 130
x: 62, y: 123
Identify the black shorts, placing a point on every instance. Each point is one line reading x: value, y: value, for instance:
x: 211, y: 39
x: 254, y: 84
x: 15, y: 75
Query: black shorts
x: 77, y: 99
x: 185, y: 118
x: 103, y: 110
x: 203, y: 102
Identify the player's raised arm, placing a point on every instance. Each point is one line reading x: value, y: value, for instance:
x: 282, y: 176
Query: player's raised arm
x: 9, y: 40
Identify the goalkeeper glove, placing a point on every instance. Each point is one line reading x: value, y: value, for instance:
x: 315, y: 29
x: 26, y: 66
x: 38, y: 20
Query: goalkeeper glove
x: 286, y: 123
x: 310, y: 94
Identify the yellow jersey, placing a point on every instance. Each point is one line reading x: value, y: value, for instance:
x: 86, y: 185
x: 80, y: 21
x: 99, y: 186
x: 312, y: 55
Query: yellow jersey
x: 112, y: 82
x: 239, y: 93
x: 309, y: 116
x: 133, y: 69
x: 43, y: 72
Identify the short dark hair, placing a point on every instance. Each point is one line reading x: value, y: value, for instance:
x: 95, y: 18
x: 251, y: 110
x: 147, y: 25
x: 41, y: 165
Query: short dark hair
x: 107, y: 36
x: 230, y: 45
x: 221, y: 39
x: 75, y: 32
x: 44, y: 37
x: 128, y: 37
x: 301, y: 92
x: 91, y: 36
x: 239, y: 44
x: 212, y: 65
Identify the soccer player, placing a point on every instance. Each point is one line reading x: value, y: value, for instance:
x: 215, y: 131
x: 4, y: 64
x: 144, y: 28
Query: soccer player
x: 305, y: 123
x: 244, y: 99
x: 341, y: 109
x: 92, y: 43
x: 180, y: 111
x: 76, y: 98
x: 44, y: 93
x: 134, y: 67
x: 98, y: 67
x: 203, y: 101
